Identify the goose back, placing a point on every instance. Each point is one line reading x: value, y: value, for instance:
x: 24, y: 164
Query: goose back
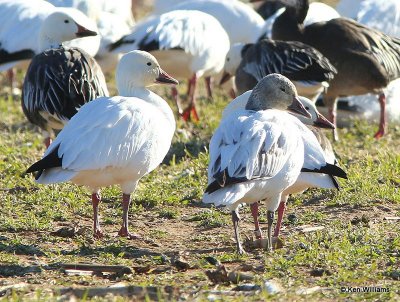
x: 58, y: 82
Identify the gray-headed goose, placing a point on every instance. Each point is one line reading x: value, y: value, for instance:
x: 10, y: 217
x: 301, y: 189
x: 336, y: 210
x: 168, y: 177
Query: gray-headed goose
x: 257, y: 153
x: 316, y: 172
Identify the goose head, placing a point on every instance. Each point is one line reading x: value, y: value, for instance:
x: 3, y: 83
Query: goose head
x: 232, y: 61
x: 275, y: 91
x: 317, y: 119
x: 64, y: 25
x: 139, y: 69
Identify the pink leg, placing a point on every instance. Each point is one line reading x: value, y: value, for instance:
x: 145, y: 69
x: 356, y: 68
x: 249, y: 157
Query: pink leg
x: 281, y: 212
x: 191, y: 110
x: 232, y: 93
x: 47, y: 142
x: 208, y: 81
x: 11, y: 78
x: 189, y: 88
x: 124, y: 232
x: 175, y: 96
x: 382, y: 122
x: 332, y: 118
x: 254, y: 213
x: 97, y: 233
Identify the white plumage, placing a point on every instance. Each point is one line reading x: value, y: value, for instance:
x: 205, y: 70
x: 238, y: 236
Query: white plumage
x: 241, y: 22
x: 318, y: 154
x: 114, y: 140
x: 317, y: 12
x: 256, y: 154
x: 21, y: 25
x: 188, y: 44
x: 114, y: 19
x: 254, y: 146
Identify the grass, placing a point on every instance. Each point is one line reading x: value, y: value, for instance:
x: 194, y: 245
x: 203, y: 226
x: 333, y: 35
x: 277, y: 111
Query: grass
x: 357, y: 247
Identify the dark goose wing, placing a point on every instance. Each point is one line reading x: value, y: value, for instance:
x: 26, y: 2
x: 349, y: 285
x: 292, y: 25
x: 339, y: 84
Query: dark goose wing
x: 58, y: 82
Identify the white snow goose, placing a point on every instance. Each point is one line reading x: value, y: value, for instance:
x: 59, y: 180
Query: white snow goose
x: 114, y: 140
x: 309, y: 70
x: 318, y: 172
x: 257, y: 153
x: 366, y: 59
x: 60, y: 79
x: 113, y: 19
x: 188, y: 44
x: 241, y: 22
x: 20, y: 30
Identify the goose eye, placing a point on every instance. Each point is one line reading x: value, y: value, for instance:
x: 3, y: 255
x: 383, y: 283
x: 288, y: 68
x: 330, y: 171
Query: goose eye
x: 227, y: 59
x: 283, y: 89
x: 148, y: 63
x: 307, y: 108
x: 66, y: 21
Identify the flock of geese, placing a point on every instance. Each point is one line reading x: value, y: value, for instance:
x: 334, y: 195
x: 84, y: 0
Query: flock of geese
x: 269, y: 143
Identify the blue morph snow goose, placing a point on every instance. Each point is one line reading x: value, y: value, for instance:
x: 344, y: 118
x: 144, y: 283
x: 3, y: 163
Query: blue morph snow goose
x: 60, y: 79
x: 318, y: 171
x: 309, y: 70
x: 189, y: 44
x: 257, y: 153
x: 366, y: 59
x: 114, y: 140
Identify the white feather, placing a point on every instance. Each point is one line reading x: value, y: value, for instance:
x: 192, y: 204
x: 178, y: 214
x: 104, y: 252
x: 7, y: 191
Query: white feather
x: 240, y: 21
x: 204, y: 41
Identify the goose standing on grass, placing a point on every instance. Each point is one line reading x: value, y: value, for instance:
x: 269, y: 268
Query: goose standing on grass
x: 188, y: 44
x: 366, y: 59
x: 115, y: 140
x: 318, y: 171
x: 60, y: 79
x: 309, y: 70
x: 257, y: 153
x: 315, y: 173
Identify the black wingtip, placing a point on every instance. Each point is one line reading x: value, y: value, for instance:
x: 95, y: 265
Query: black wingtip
x: 335, y: 182
x: 51, y: 160
x: 329, y: 169
x: 222, y: 179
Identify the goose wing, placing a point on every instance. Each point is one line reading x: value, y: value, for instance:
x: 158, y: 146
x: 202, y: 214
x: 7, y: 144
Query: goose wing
x: 248, y: 146
x: 295, y: 60
x: 186, y: 30
x: 108, y: 133
x: 58, y: 82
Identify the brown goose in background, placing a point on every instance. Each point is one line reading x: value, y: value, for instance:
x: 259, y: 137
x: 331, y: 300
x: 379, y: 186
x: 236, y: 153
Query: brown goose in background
x: 366, y: 59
